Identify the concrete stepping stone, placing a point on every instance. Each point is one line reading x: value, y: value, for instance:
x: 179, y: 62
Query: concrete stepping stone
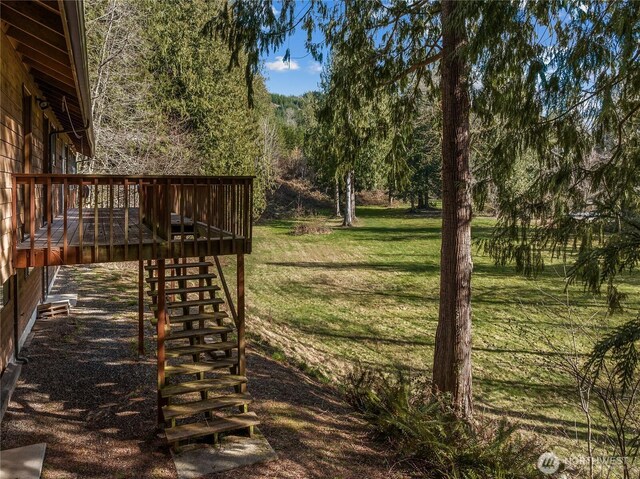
x: 22, y: 462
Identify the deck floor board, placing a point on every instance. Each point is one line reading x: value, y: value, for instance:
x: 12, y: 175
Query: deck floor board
x: 88, y: 230
x: 135, y: 230
x: 111, y: 243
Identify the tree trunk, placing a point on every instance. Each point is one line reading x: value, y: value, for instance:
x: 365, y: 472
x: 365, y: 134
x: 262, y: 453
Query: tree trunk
x: 353, y: 196
x: 337, y: 197
x: 452, y: 355
x: 348, y: 212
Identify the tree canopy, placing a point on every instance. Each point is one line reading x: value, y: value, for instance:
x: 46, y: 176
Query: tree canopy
x: 553, y: 88
x: 164, y: 101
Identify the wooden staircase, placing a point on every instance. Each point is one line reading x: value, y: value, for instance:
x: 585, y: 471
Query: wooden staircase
x: 202, y: 387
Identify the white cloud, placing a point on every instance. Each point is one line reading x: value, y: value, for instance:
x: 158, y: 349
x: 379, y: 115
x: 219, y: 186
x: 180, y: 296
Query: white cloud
x: 279, y: 66
x: 315, y: 67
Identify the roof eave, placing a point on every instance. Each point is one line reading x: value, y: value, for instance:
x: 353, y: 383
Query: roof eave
x: 73, y: 21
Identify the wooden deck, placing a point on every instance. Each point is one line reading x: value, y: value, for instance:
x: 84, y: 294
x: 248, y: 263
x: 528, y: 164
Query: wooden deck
x: 120, y: 236
x: 107, y: 231
x: 103, y: 218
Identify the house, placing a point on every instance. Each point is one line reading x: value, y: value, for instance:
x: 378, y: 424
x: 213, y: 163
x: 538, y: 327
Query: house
x: 173, y: 227
x: 44, y: 96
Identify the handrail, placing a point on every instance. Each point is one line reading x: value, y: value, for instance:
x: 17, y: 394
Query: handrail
x: 136, y: 177
x: 227, y: 294
x: 174, y: 215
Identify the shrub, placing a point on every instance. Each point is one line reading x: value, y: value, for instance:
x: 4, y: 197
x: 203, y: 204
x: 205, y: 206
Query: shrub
x: 315, y: 227
x: 421, y: 426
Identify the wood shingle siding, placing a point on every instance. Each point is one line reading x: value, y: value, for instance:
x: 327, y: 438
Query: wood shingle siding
x: 13, y: 77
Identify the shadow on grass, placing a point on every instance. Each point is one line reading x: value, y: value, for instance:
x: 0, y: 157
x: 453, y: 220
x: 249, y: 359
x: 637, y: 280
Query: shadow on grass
x: 405, y: 266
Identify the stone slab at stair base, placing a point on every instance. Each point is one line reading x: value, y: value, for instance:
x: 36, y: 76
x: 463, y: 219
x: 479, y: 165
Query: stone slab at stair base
x: 22, y: 462
x: 233, y: 452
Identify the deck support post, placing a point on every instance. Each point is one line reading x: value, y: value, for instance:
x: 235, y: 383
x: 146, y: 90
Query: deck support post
x: 16, y: 317
x: 141, y: 307
x: 242, y: 361
x: 162, y: 312
x: 16, y: 320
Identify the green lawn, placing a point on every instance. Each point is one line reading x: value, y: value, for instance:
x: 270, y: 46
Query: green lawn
x: 370, y: 294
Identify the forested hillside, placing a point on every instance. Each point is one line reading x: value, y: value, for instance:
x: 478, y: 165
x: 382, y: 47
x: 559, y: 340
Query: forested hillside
x: 164, y: 100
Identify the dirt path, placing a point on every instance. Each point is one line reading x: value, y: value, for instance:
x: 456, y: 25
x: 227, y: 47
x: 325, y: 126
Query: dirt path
x: 92, y: 401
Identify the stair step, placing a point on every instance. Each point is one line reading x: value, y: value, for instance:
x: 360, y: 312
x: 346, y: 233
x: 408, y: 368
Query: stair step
x: 179, y: 265
x: 189, y: 318
x: 201, y: 367
x: 197, y: 407
x: 183, y: 277
x: 193, y: 289
x: 175, y: 351
x: 229, y: 423
x: 226, y: 380
x: 190, y: 303
x: 194, y: 333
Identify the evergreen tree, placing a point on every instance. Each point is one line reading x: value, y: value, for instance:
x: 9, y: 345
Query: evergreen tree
x: 195, y: 87
x: 579, y: 139
x: 421, y: 182
x: 551, y: 79
x: 133, y: 133
x: 164, y: 101
x: 387, y: 50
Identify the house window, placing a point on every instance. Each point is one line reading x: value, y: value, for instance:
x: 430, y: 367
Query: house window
x: 27, y: 101
x: 66, y: 163
x: 49, y: 153
x: 27, y: 139
x: 71, y: 163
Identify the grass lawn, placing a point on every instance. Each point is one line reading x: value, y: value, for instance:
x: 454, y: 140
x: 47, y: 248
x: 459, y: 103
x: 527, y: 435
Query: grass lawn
x: 370, y: 294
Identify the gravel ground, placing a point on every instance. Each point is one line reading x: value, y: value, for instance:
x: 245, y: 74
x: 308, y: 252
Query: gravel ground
x: 87, y: 395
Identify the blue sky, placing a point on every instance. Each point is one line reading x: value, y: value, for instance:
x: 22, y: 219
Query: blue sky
x: 300, y: 75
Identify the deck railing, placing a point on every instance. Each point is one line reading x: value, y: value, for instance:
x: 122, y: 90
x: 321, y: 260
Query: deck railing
x: 98, y: 218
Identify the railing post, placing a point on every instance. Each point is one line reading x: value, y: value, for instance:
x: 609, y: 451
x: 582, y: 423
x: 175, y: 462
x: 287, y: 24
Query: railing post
x: 246, y: 214
x: 209, y: 215
x: 96, y: 226
x: 14, y: 223
x: 155, y: 205
x: 65, y: 207
x: 194, y: 215
x: 49, y: 207
x: 80, y: 219
x: 141, y: 197
x: 183, y: 202
x: 32, y: 219
x: 250, y: 215
x: 234, y: 213
x: 221, y: 210
x: 167, y: 216
x: 125, y: 194
x: 111, y: 201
